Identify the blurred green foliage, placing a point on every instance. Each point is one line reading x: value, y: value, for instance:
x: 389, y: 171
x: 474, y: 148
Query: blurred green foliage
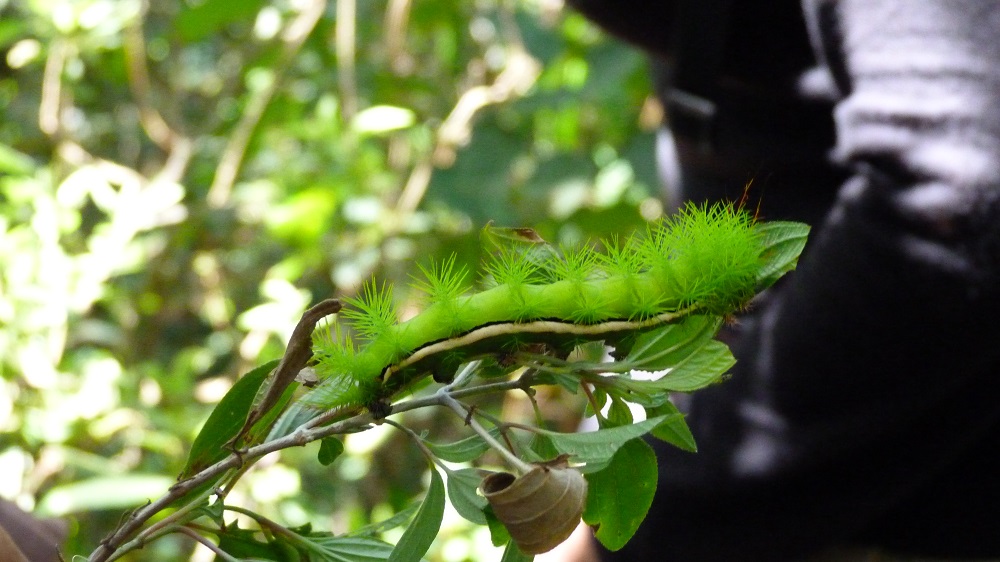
x: 179, y: 180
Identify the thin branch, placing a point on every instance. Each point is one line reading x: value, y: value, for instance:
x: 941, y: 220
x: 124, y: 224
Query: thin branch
x: 231, y: 161
x: 208, y: 544
x: 328, y: 423
x: 346, y: 37
x: 419, y: 442
x: 397, y: 17
x: 50, y: 107
x: 177, y: 147
x: 463, y: 376
x: 515, y: 80
x: 456, y: 406
x: 139, y: 83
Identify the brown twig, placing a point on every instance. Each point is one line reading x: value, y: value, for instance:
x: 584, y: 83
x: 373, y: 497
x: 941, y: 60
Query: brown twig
x: 127, y: 536
x: 296, y: 357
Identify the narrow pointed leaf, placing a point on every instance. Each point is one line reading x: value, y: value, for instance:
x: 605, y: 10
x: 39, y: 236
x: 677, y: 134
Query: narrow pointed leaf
x: 225, y: 421
x: 398, y: 519
x: 348, y: 549
x: 425, y: 526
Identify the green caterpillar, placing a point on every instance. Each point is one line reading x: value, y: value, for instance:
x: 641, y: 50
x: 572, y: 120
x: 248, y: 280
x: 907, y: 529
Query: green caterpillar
x: 703, y: 260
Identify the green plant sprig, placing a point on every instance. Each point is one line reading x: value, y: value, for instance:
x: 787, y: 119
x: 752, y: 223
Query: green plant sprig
x: 705, y: 259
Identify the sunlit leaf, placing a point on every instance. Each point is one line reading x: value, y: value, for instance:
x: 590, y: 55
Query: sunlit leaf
x: 103, y: 492
x: 699, y: 369
x: 665, y: 347
x: 13, y: 162
x: 382, y: 119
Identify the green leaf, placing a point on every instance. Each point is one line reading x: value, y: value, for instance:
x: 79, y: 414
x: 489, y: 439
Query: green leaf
x: 541, y: 449
x: 465, y: 450
x: 225, y: 421
x: 103, y: 492
x: 292, y: 418
x: 197, y: 21
x: 514, y: 554
x: 618, y: 414
x: 330, y: 548
x: 14, y: 162
x: 783, y: 242
x: 499, y: 535
x: 569, y: 381
x: 620, y: 495
x: 666, y: 347
x: 329, y: 449
x: 673, y: 429
x: 598, y: 447
x: 703, y: 367
x: 425, y: 526
x: 462, y: 486
x: 397, y: 520
x: 244, y: 544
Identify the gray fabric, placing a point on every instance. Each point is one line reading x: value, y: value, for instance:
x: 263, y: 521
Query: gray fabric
x: 863, y: 409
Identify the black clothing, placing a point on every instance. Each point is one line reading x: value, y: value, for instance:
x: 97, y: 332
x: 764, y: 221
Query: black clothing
x: 864, y: 408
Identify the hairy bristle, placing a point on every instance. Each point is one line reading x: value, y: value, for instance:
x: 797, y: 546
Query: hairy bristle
x: 704, y: 257
x: 442, y: 281
x: 509, y: 266
x: 373, y: 312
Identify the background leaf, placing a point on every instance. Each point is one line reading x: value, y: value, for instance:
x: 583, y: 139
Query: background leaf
x: 103, y: 492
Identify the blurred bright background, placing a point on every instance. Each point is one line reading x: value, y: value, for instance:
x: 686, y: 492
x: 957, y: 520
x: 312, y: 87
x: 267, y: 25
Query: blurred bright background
x: 179, y: 180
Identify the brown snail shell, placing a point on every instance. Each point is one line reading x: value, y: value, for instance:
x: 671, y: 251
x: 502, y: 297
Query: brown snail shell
x: 541, y: 508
